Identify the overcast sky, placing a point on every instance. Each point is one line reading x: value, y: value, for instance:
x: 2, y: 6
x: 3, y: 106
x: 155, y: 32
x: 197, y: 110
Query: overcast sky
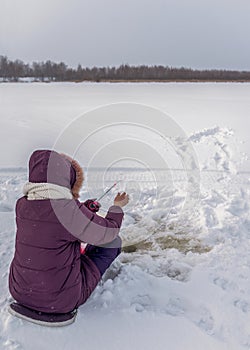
x: 190, y: 33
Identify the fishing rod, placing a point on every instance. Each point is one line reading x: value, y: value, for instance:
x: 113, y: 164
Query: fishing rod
x: 106, y: 192
x: 93, y: 204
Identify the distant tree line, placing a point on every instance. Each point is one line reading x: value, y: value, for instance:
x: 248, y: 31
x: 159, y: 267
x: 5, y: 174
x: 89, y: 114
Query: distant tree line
x: 51, y: 71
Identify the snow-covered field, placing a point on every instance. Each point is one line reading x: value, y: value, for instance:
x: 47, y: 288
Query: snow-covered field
x: 182, y: 281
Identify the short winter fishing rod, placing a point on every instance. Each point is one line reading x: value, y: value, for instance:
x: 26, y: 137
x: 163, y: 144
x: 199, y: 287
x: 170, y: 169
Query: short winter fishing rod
x: 94, y: 204
x: 108, y: 190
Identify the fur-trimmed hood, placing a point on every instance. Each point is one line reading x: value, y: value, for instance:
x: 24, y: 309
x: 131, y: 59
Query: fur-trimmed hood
x: 60, y: 169
x: 78, y: 173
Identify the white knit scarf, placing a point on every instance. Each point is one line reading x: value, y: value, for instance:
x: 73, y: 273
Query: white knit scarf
x: 45, y: 190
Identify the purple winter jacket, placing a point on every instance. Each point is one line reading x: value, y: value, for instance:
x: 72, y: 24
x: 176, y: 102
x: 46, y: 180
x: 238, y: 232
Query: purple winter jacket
x: 47, y: 272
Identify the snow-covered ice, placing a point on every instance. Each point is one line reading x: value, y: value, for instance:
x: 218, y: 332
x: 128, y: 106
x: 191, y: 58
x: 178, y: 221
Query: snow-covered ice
x: 182, y: 282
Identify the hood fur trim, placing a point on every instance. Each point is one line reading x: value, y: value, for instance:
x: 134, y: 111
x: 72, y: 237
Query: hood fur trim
x: 79, y: 175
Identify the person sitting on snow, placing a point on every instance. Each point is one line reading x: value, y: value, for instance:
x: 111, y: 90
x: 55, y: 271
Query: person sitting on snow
x: 49, y: 274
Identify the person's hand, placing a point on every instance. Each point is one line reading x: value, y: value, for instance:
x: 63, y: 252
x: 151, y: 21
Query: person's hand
x: 121, y: 199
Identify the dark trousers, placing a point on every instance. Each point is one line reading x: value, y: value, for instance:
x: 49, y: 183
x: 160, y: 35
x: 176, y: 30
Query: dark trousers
x: 104, y: 255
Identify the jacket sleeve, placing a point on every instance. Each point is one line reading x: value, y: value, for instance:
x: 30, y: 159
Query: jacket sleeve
x: 94, y: 229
